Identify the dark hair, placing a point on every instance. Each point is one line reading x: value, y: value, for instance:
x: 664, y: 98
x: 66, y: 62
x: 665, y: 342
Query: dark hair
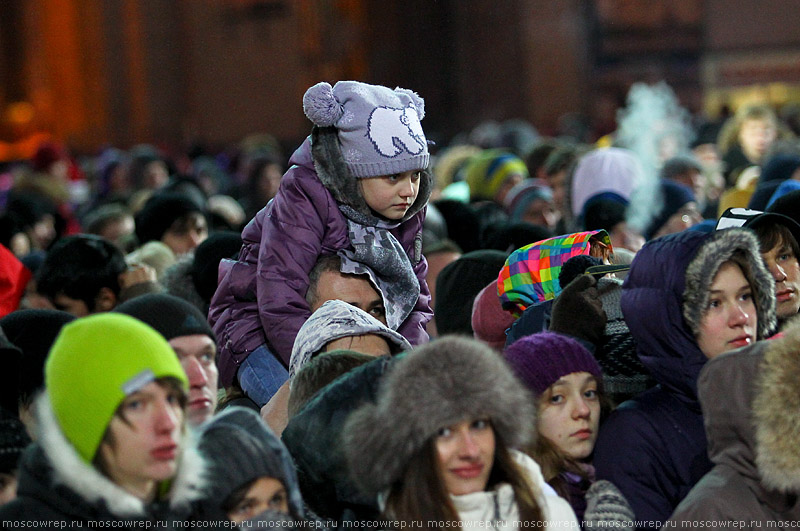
x: 319, y: 372
x: 679, y: 166
x: 236, y: 497
x: 560, y: 159
x: 79, y: 267
x: 770, y: 235
x: 102, y: 216
x: 420, y: 494
x: 329, y: 263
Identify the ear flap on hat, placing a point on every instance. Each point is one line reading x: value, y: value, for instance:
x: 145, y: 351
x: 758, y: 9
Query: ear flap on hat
x: 321, y: 106
x: 419, y: 103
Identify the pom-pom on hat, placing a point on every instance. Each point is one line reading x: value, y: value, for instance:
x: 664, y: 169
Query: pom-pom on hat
x: 97, y: 361
x: 450, y: 380
x: 539, y: 360
x: 379, y: 128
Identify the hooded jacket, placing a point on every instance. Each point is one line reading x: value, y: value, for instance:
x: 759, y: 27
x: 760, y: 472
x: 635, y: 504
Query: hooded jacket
x: 258, y: 453
x: 56, y: 484
x: 653, y: 447
x: 744, y: 393
x: 260, y: 297
x: 335, y: 320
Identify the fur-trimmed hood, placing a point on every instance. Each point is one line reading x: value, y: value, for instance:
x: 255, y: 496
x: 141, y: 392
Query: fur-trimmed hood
x: 54, y: 474
x: 334, y: 320
x: 740, y: 246
x: 666, y: 291
x: 332, y: 171
x: 447, y: 381
x: 777, y: 412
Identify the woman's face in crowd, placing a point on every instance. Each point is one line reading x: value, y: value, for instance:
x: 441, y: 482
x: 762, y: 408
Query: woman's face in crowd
x: 186, y: 234
x: 465, y: 455
x: 756, y: 136
x: 730, y: 320
x: 145, y: 440
x: 569, y: 414
x: 266, y: 493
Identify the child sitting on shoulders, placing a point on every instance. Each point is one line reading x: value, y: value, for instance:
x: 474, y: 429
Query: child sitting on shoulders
x: 357, y: 187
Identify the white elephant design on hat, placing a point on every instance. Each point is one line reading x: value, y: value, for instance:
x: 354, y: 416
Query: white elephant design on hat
x: 393, y: 131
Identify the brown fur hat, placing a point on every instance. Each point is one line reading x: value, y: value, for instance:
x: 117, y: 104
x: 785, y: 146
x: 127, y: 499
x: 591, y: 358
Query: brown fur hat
x: 449, y: 380
x: 739, y: 246
x: 777, y: 412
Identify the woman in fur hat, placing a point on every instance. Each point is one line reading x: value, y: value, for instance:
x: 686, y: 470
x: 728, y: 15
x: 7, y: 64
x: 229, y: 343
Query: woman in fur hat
x: 688, y: 297
x: 437, y: 446
x: 111, y: 431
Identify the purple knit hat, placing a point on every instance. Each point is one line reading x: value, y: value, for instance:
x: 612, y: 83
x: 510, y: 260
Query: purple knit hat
x: 379, y: 128
x: 539, y: 360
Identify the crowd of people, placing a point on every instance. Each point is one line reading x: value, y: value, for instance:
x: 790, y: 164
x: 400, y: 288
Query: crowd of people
x: 509, y: 330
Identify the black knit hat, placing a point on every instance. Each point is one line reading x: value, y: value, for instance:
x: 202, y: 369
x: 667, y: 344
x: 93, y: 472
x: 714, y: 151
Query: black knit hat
x: 239, y: 448
x: 33, y: 331
x: 457, y: 286
x: 207, y: 255
x: 171, y: 316
x: 160, y: 212
x: 13, y: 440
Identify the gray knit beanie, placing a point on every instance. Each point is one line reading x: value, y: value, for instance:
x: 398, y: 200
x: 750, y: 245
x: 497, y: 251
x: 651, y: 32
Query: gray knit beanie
x: 379, y: 128
x: 450, y: 380
x: 239, y: 448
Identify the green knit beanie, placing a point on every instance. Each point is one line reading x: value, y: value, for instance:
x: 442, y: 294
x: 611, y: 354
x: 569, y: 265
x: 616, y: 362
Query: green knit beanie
x: 97, y: 361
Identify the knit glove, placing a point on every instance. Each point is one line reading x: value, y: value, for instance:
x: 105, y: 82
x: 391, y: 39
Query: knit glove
x: 578, y: 312
x: 607, y: 508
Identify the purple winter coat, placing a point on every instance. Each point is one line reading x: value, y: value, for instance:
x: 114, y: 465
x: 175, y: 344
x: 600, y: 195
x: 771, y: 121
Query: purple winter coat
x: 261, y: 296
x: 653, y: 447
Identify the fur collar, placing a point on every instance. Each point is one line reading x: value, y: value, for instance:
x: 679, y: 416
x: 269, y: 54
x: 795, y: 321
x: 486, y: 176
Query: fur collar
x: 775, y: 409
x: 71, y: 471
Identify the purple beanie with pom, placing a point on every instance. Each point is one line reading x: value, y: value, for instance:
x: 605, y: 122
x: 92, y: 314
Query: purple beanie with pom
x: 539, y: 360
x: 379, y: 128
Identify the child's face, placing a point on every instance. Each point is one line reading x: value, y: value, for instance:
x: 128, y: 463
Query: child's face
x: 391, y: 195
x: 569, y: 414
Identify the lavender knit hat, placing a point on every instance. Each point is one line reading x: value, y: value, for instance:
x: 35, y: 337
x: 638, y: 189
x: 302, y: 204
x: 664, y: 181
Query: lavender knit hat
x: 379, y: 128
x: 539, y: 360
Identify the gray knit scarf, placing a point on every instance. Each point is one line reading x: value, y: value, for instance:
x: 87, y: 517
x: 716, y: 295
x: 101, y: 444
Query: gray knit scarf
x: 377, y: 253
